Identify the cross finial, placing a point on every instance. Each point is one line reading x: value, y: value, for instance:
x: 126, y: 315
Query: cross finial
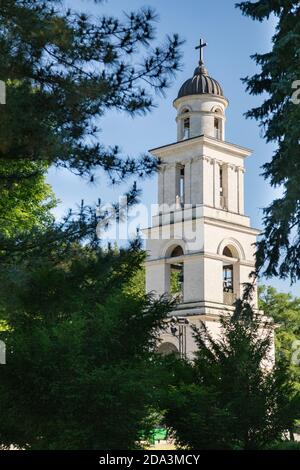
x: 202, y: 44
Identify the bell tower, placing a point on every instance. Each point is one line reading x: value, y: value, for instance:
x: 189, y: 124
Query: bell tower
x: 200, y: 245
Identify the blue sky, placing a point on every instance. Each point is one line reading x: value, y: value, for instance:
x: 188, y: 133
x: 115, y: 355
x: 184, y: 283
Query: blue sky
x: 231, y: 40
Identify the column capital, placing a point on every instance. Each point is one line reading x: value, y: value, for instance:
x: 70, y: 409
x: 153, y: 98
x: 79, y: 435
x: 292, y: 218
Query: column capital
x: 195, y: 159
x: 162, y: 167
x: 207, y: 159
x: 170, y: 165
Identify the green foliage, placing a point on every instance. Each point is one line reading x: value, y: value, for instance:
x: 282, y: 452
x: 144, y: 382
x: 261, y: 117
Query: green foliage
x: 279, y: 116
x: 230, y: 397
x: 80, y: 369
x: 175, y: 281
x: 285, y: 445
x: 63, y: 70
x: 285, y: 311
x: 24, y: 204
x: 79, y: 329
x: 137, y: 285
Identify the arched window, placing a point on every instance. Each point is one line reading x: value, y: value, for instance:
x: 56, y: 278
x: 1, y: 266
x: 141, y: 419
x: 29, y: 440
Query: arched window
x: 176, y: 273
x: 181, y: 185
x: 227, y: 252
x: 186, y: 128
x: 186, y: 125
x: 177, y: 251
x: 217, y: 128
x: 228, y: 277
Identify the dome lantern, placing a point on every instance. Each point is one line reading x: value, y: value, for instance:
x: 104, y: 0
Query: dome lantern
x: 200, y: 104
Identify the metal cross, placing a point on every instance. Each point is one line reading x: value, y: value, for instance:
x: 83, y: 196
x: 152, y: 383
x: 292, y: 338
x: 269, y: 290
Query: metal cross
x: 202, y: 44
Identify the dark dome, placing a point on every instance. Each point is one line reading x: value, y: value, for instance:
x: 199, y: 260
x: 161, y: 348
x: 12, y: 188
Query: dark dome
x: 200, y: 84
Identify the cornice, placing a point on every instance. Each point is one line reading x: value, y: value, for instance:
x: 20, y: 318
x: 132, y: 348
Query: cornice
x: 195, y: 256
x: 233, y: 225
x: 164, y: 165
x: 202, y: 140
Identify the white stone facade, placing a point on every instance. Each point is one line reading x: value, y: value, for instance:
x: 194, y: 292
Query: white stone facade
x: 201, y: 210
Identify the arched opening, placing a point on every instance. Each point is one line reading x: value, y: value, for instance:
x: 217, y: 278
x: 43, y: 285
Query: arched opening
x: 230, y: 275
x: 186, y: 128
x: 176, y: 273
x: 217, y: 128
x: 234, y: 246
x: 185, y: 124
x: 230, y: 251
x: 228, y: 278
x: 177, y: 251
x: 180, y: 186
x: 227, y: 252
x: 167, y: 348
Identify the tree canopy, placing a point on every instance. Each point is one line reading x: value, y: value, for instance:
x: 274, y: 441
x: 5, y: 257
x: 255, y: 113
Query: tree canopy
x: 80, y: 370
x: 284, y: 309
x: 25, y: 204
x: 63, y: 70
x: 279, y: 114
x: 79, y: 333
x: 231, y: 396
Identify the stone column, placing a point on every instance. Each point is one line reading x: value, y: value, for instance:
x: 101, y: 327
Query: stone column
x: 241, y: 172
x: 208, y: 181
x: 223, y: 127
x: 193, y: 280
x: 170, y: 184
x: 213, y: 276
x: 232, y: 179
x: 196, y: 181
x: 160, y: 178
x: 217, y: 165
x: 187, y: 182
x: 158, y: 277
x: 179, y: 128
